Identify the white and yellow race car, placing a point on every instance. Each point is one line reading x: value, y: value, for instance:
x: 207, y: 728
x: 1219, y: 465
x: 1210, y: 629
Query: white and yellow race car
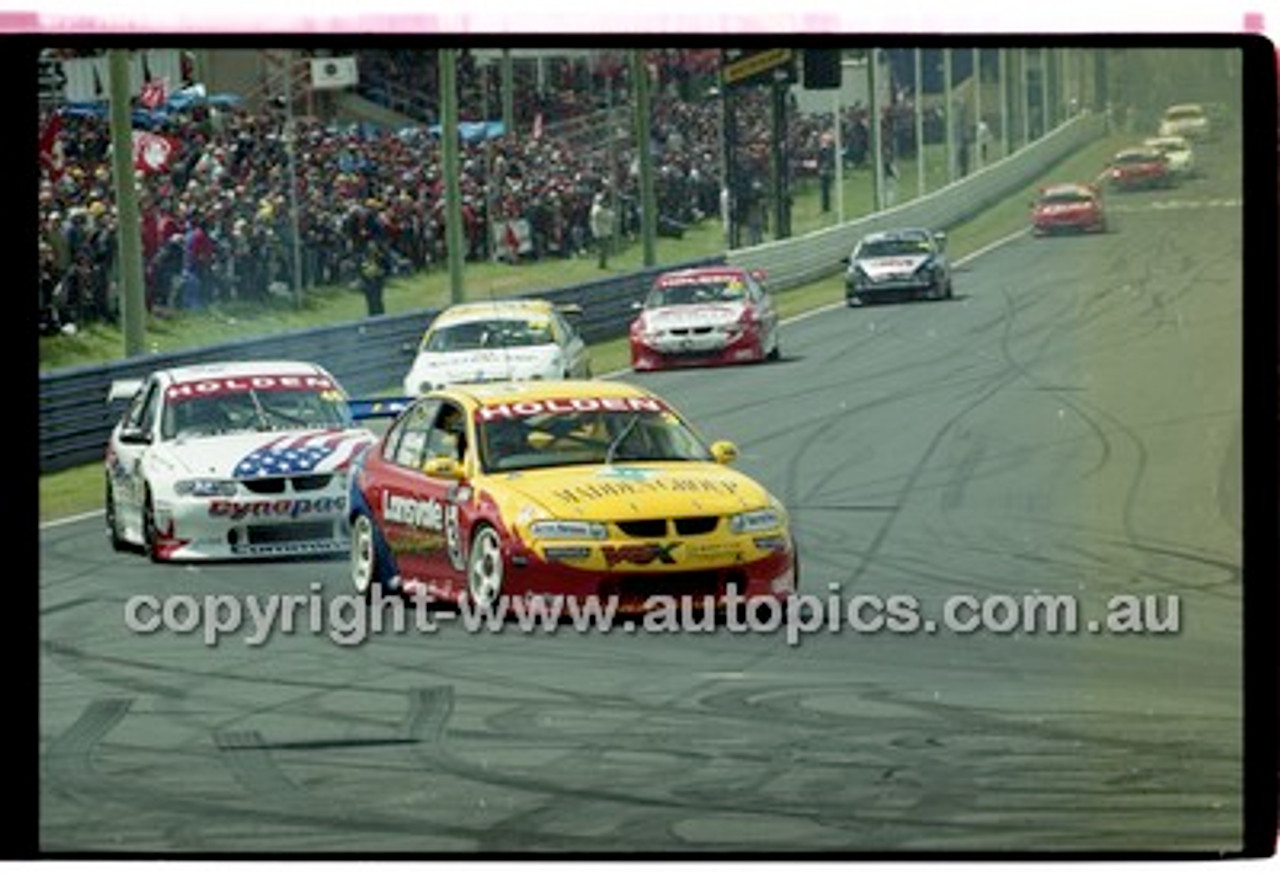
x: 512, y: 340
x: 574, y: 489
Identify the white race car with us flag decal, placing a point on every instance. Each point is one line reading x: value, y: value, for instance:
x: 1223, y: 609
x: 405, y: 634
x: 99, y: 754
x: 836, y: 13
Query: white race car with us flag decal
x: 233, y: 460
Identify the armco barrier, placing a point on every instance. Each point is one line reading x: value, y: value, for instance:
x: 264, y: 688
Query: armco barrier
x: 368, y: 356
x: 817, y: 255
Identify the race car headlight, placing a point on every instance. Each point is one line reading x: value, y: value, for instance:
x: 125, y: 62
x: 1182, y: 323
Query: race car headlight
x: 857, y: 274
x: 754, y: 522
x: 567, y: 530
x: 205, y: 487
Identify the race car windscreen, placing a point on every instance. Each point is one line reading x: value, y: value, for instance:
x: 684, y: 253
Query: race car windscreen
x: 586, y: 438
x: 489, y: 333
x: 1065, y: 198
x: 679, y: 294
x: 893, y: 248
x: 1138, y: 157
x: 271, y: 409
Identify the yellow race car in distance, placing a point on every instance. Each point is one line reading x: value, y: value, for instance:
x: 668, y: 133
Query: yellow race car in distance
x: 580, y: 489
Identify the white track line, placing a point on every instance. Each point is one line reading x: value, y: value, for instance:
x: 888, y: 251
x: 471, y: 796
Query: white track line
x: 71, y: 519
x: 618, y: 373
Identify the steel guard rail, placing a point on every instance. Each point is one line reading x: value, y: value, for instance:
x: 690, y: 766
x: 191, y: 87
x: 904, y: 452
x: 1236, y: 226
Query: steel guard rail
x: 370, y: 356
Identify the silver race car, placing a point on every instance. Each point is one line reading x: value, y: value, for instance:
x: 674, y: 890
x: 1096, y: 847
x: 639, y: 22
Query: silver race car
x: 898, y: 263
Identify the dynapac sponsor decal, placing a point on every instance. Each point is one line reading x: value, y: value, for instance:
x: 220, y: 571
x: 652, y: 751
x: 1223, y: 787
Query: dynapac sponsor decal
x: 205, y: 387
x: 237, y: 509
x: 573, y: 405
x: 606, y: 489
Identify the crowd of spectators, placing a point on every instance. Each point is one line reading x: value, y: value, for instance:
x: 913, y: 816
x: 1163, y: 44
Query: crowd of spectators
x: 217, y: 224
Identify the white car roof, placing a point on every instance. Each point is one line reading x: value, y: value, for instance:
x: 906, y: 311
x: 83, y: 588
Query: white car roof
x: 1185, y: 108
x: 182, y: 374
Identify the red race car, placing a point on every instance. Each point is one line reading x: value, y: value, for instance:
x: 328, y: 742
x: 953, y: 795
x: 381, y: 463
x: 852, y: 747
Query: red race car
x: 706, y: 316
x: 1068, y: 207
x: 1139, y: 168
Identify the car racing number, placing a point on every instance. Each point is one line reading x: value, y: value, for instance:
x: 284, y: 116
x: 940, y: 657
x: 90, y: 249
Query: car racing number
x: 453, y: 536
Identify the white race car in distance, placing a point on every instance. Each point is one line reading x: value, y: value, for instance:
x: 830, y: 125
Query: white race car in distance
x: 516, y: 340
x: 1187, y: 119
x: 231, y: 460
x: 1177, y: 151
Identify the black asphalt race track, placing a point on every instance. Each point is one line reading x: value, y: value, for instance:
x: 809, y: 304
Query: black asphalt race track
x: 1069, y: 425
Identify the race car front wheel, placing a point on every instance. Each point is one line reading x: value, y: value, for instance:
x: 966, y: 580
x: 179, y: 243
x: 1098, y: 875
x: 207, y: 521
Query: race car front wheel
x: 485, y: 569
x: 113, y: 525
x: 150, y: 539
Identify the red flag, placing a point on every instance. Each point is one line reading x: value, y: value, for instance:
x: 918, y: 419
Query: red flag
x: 152, y: 152
x: 51, y: 157
x: 154, y: 93
x: 537, y: 126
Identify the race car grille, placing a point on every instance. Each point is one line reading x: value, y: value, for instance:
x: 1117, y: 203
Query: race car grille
x: 697, y: 525
x: 264, y: 485
x: 305, y: 482
x: 676, y: 585
x: 700, y: 330
x: 289, y: 533
x: 652, y: 527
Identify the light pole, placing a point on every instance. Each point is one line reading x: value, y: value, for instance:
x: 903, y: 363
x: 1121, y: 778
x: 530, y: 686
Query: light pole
x: 450, y: 172
x: 128, y: 227
x: 919, y: 115
x: 1042, y: 56
x: 290, y: 146
x: 877, y: 138
x: 1003, y: 76
x: 977, y: 106
x: 838, y: 152
x: 948, y: 115
x: 1024, y: 89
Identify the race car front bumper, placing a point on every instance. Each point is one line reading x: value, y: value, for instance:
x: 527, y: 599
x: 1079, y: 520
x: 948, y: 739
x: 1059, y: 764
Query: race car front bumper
x: 190, y: 528
x: 638, y: 583
x: 712, y: 349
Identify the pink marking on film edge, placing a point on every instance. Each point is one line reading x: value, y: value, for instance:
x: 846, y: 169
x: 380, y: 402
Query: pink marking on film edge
x: 28, y: 22
x: 1255, y: 22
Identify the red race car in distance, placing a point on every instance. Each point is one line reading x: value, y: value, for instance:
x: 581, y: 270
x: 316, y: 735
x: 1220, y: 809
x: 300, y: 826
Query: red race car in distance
x: 1068, y: 207
x: 1141, y: 167
x: 705, y: 316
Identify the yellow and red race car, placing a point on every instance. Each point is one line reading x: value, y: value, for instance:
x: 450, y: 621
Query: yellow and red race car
x: 573, y: 489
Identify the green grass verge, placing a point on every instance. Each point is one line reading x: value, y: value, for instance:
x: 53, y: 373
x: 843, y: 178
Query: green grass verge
x: 79, y: 489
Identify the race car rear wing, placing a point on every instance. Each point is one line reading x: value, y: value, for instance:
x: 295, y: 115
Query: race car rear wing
x: 124, y: 389
x: 378, y: 407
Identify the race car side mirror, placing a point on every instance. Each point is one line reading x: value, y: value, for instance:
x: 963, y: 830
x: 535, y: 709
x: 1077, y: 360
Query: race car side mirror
x: 724, y: 451
x: 134, y: 436
x: 941, y: 238
x: 443, y: 467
